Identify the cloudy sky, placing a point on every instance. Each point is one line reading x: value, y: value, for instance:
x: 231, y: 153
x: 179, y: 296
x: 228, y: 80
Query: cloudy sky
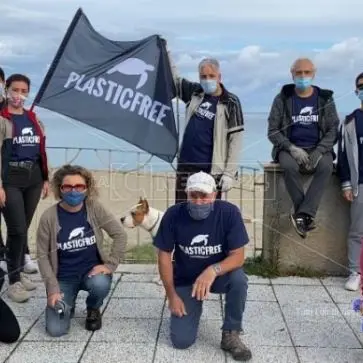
x: 256, y: 41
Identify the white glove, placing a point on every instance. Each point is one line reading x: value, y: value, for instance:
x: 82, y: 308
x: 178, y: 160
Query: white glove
x: 226, y: 183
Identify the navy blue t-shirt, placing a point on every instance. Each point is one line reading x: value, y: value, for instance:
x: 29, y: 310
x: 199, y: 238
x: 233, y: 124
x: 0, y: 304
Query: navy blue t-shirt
x: 199, y: 244
x: 358, y: 116
x: 197, y: 146
x: 305, y: 118
x: 26, y: 142
x: 77, y: 248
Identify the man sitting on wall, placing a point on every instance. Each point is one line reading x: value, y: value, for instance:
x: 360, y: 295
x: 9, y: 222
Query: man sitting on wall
x: 303, y: 127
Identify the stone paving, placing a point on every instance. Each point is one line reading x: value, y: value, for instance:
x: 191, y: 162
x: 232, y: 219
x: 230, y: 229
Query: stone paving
x: 287, y: 320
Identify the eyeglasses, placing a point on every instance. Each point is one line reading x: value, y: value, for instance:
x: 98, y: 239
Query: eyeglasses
x: 65, y: 188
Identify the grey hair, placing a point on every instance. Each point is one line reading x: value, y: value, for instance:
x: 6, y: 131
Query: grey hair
x: 209, y: 61
x: 293, y: 67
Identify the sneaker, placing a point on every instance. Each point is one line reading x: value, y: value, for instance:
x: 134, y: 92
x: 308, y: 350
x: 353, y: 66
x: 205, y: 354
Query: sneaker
x: 353, y: 282
x: 310, y: 223
x: 232, y: 343
x: 30, y: 267
x: 94, y: 319
x: 4, y: 266
x: 27, y: 283
x: 17, y: 293
x: 299, y: 224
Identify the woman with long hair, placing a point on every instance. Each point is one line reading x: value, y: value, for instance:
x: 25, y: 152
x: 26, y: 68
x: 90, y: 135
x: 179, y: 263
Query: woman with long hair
x: 23, y: 179
x: 71, y: 249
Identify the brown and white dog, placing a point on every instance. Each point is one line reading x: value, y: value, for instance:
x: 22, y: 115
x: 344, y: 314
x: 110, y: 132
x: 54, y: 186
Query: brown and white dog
x: 143, y: 216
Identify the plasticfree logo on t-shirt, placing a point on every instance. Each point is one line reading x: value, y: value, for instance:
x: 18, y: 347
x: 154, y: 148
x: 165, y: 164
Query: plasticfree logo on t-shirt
x: 27, y: 137
x: 199, y: 247
x: 204, y: 110
x: 306, y: 116
x: 77, y: 241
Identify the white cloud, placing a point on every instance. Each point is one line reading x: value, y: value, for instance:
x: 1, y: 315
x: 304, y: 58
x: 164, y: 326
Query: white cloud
x: 256, y: 42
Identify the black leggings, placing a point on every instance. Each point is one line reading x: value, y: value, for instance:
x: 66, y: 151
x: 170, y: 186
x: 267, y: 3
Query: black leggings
x: 3, y: 247
x: 23, y: 188
x: 9, y: 326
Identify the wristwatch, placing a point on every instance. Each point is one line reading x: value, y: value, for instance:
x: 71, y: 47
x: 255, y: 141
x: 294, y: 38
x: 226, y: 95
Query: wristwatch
x: 217, y: 268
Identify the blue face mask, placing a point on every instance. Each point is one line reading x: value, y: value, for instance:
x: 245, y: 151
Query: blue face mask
x: 303, y: 83
x: 199, y: 211
x: 209, y: 86
x: 360, y: 94
x: 73, y: 198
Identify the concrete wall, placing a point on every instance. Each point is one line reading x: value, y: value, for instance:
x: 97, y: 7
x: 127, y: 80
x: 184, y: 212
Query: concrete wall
x: 324, y: 249
x: 119, y: 191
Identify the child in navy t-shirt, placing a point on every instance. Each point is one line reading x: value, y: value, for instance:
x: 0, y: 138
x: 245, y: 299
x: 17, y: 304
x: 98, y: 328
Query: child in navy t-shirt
x: 200, y: 243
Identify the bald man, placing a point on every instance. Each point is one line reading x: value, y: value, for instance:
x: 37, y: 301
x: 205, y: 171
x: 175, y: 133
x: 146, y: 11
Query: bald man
x: 303, y: 127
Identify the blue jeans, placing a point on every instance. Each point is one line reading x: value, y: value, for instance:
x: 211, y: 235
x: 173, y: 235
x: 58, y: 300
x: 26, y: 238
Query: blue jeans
x: 98, y: 287
x: 184, y: 330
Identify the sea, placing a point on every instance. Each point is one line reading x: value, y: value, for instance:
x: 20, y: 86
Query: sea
x: 70, y: 141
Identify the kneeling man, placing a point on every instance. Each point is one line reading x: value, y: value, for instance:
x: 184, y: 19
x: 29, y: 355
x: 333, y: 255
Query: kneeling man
x: 208, y: 238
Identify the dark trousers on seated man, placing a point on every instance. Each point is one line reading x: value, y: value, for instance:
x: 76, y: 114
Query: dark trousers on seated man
x: 184, y: 330
x: 305, y: 204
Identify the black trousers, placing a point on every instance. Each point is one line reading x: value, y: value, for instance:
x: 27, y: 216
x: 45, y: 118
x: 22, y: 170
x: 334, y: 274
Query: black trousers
x: 23, y: 188
x: 2, y: 245
x: 9, y: 326
x: 182, y: 175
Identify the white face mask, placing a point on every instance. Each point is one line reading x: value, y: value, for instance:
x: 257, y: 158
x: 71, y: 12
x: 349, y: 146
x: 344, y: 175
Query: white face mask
x: 16, y: 99
x: 2, y: 90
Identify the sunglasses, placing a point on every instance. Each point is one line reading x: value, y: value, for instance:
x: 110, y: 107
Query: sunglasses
x: 360, y: 87
x: 65, y: 188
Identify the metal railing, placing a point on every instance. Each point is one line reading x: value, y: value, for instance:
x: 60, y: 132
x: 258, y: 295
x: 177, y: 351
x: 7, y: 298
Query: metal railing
x: 124, y: 175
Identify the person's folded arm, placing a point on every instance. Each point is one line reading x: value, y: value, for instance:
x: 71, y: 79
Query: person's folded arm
x: 44, y: 250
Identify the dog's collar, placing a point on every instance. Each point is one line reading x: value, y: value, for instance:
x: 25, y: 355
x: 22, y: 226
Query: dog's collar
x: 154, y: 225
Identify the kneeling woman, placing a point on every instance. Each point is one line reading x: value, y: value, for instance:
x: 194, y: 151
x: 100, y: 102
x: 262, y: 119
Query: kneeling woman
x: 71, y: 252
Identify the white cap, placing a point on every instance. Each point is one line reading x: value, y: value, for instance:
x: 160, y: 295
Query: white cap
x: 201, y: 182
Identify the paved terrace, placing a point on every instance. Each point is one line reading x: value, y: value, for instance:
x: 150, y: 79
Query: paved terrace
x: 287, y: 320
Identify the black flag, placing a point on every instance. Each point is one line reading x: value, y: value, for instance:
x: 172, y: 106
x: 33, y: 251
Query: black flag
x: 124, y: 88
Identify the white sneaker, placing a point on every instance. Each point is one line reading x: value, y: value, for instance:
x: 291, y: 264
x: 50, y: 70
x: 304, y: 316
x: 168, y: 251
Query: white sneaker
x: 17, y: 293
x: 30, y: 266
x: 28, y: 284
x: 353, y: 282
x: 4, y: 266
